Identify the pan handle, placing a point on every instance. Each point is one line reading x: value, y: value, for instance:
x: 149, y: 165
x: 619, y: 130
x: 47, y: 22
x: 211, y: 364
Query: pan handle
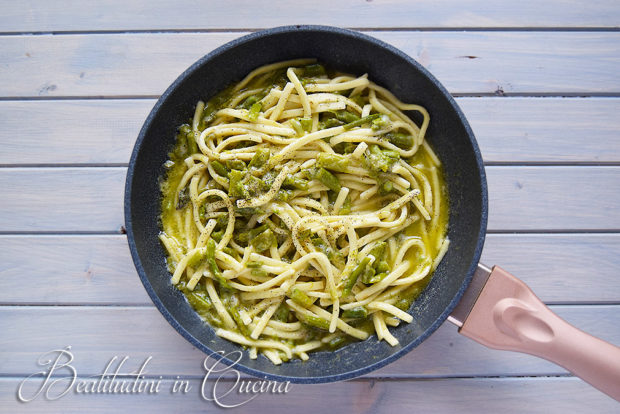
x: 508, y: 315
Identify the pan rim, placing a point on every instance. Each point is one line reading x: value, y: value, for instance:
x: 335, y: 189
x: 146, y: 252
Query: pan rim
x: 222, y: 358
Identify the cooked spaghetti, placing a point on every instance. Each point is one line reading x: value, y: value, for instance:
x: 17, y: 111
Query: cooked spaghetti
x: 302, y: 209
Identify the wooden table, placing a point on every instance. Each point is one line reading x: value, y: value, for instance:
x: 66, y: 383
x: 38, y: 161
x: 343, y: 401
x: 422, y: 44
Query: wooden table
x: 539, y: 82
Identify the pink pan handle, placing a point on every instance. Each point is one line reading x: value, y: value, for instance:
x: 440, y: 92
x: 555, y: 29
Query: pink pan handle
x: 508, y: 316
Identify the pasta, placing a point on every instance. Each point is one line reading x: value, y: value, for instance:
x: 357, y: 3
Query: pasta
x: 302, y: 209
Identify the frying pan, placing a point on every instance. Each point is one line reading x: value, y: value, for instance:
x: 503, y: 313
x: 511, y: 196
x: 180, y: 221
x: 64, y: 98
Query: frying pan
x: 497, y: 309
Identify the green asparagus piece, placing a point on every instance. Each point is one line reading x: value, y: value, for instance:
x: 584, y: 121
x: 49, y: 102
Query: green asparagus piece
x: 213, y: 268
x: 346, y: 116
x: 294, y: 182
x: 219, y: 168
x: 257, y: 230
x: 260, y: 158
x: 306, y: 124
x: 301, y: 298
x: 380, y: 122
x: 245, y: 237
x: 202, y: 212
x: 192, y: 147
x: 329, y: 179
x: 361, y: 121
x: 358, y: 312
x: 249, y: 101
x: 231, y: 252
x: 315, y: 322
x: 333, y: 162
x: 368, y: 274
x: 281, y: 313
x: 376, y: 278
x: 217, y: 235
x: 254, y: 185
x: 330, y: 123
x: 337, y: 341
x: 333, y: 256
x: 382, y: 266
x: 185, y: 131
x: 248, y: 211
x: 198, y: 257
x: 378, y: 251
x: 377, y: 160
x: 236, y: 187
x: 283, y: 195
x: 404, y: 141
x: 359, y: 99
x: 352, y: 279
x: 254, y: 111
x: 346, y: 206
x: 260, y: 272
x: 199, y: 300
x: 263, y: 241
x: 221, y: 221
x: 234, y: 312
x: 297, y: 126
x: 235, y: 165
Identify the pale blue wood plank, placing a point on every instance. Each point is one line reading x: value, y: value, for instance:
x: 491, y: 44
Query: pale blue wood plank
x: 507, y: 129
x: 84, y: 269
x: 161, y: 14
x: 62, y: 199
x: 520, y: 198
x: 548, y: 198
x: 98, y: 333
x: 488, y: 395
x: 145, y: 64
x: 561, y: 130
x: 94, y: 269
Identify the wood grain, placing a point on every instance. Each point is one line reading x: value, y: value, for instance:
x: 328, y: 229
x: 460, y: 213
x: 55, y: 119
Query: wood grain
x: 70, y: 132
x: 62, y: 199
x: 568, y: 198
x: 486, y: 395
x: 521, y: 198
x: 94, y: 269
x: 69, y: 270
x: 507, y: 129
x: 512, y: 130
x: 465, y: 62
x: 238, y: 14
x: 96, y: 334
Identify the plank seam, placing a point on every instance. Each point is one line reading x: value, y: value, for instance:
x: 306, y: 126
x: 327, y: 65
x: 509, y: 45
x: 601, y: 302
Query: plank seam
x: 494, y: 164
x: 137, y: 305
x: 151, y: 306
x: 486, y: 163
x: 79, y: 98
x: 497, y: 94
x: 393, y: 378
x: 359, y: 29
x: 120, y: 232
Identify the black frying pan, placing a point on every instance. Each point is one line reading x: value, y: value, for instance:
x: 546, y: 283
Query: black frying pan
x: 449, y: 134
